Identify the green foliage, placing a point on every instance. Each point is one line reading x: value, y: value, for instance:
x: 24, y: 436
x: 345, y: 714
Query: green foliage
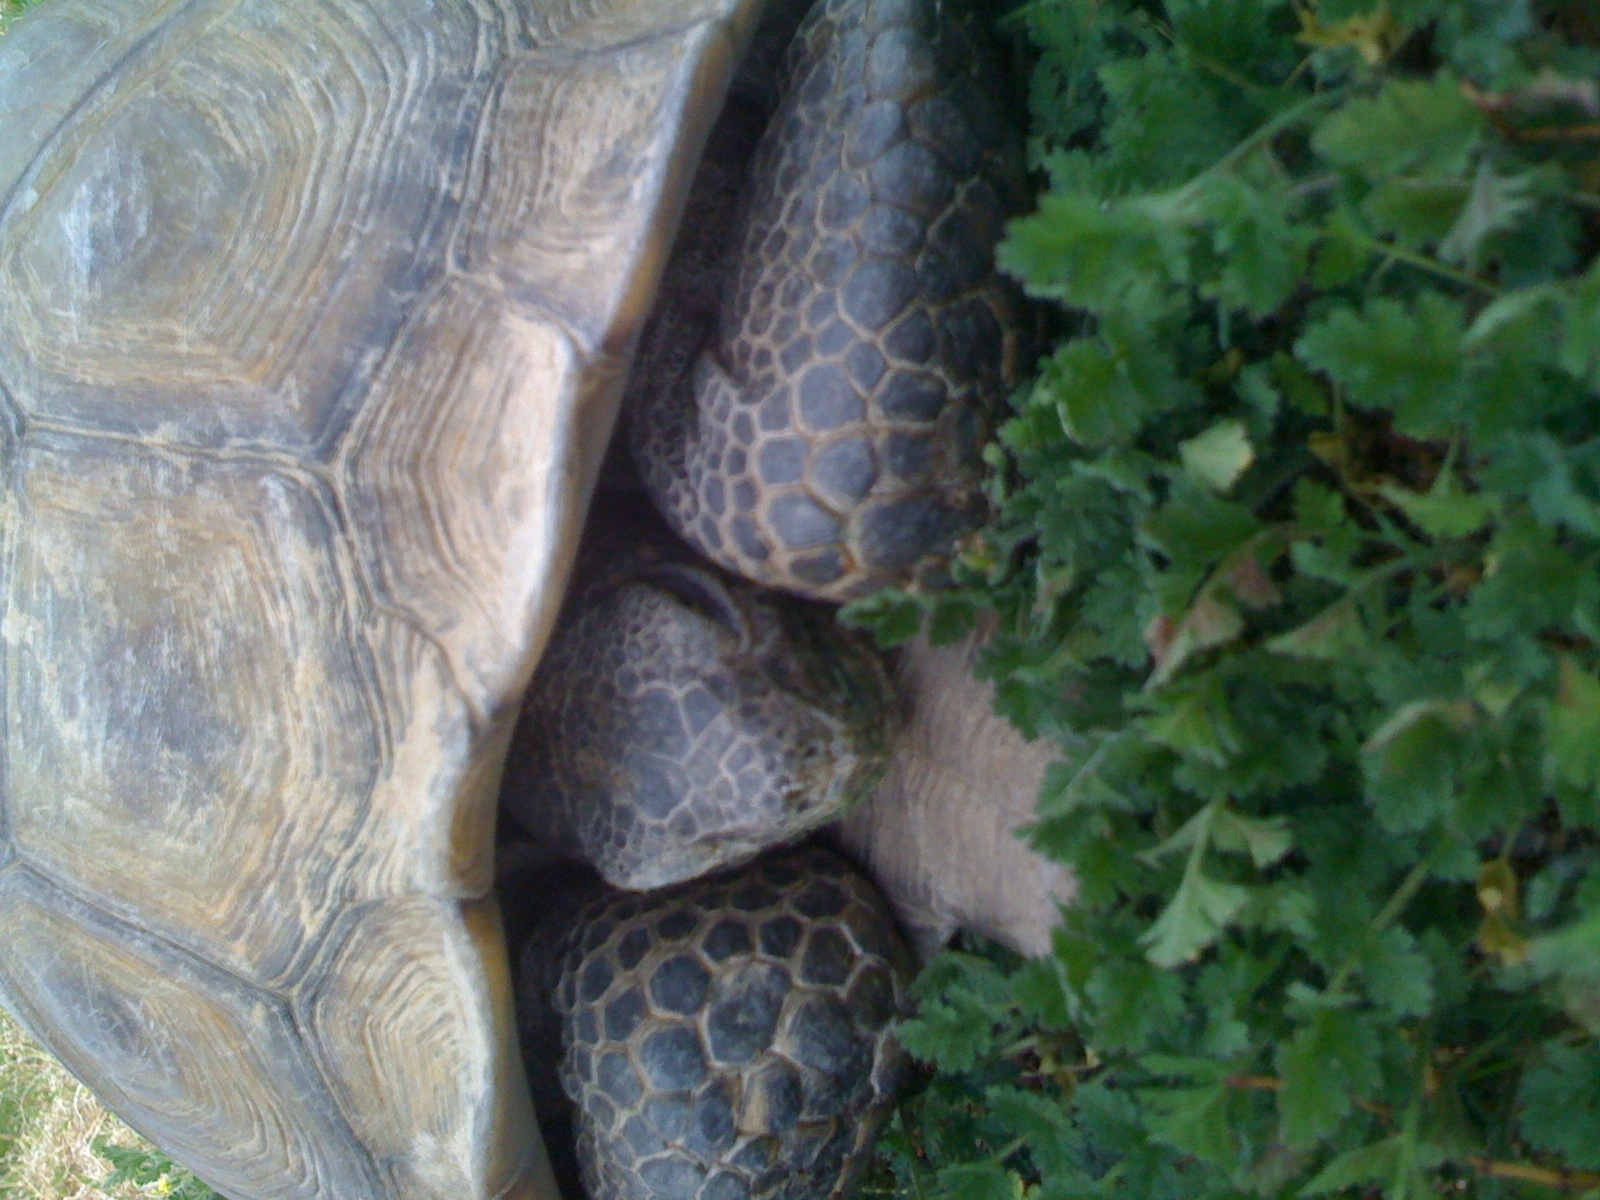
x: 1298, y: 556
x: 152, y: 1172
x: 10, y: 10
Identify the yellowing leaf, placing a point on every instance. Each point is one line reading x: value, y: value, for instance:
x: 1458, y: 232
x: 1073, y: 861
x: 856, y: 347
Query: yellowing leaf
x: 1373, y: 36
x: 1498, y: 893
x: 1497, y: 939
x: 1209, y: 622
x: 1498, y: 889
x: 1217, y: 457
x: 1249, y: 582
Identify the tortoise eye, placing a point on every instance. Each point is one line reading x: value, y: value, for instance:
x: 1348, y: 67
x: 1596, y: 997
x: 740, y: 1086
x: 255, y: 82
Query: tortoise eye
x: 702, y: 592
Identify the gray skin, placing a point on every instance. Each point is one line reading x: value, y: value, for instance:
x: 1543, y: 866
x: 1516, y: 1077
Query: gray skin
x: 826, y: 436
x: 684, y: 720
x: 940, y: 836
x: 807, y: 409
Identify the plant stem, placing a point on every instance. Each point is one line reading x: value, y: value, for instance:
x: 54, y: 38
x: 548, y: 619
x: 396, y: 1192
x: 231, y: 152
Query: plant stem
x: 1566, y: 1181
x: 1220, y: 70
x: 1577, y: 197
x: 1422, y: 262
x: 1254, y: 1083
x: 1011, y: 1148
x: 1559, y: 133
x: 1287, y: 119
x: 1391, y: 910
x: 911, y: 1159
x: 1090, y: 765
x: 1270, y: 1083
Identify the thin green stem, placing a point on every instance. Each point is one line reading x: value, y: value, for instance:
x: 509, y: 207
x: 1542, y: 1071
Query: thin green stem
x: 911, y: 1159
x: 1288, y: 119
x: 1397, y: 902
x: 1421, y: 262
x: 1220, y: 70
x: 1010, y: 1148
x: 1090, y: 765
x: 1263, y: 136
x: 1315, y: 186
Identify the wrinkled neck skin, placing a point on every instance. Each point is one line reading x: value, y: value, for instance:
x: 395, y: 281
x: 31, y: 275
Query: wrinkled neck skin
x: 939, y: 834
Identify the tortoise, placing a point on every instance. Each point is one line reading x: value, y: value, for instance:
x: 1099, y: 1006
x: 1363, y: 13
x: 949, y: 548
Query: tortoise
x: 313, y: 330
x: 819, y: 433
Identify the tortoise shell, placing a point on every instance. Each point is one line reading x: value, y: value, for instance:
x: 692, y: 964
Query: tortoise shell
x: 313, y: 321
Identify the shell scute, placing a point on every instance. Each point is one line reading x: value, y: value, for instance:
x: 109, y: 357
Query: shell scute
x: 53, y: 67
x: 565, y: 27
x: 182, y: 674
x: 177, y: 1046
x: 457, y: 478
x: 554, y: 217
x: 419, y: 1058
x: 258, y: 649
x: 319, y: 175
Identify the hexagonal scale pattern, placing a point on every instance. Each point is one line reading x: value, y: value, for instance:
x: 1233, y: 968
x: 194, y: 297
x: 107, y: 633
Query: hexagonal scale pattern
x: 420, y: 1058
x: 830, y: 443
x: 55, y: 65
x: 239, y: 306
x: 459, y: 485
x: 191, y: 733
x: 564, y: 26
x: 552, y: 223
x: 729, y: 1038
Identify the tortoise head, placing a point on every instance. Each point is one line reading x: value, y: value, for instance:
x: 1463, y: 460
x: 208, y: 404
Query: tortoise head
x: 683, y: 721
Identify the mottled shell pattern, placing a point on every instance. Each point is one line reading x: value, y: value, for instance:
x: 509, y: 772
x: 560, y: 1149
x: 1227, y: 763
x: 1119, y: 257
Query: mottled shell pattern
x: 313, y: 321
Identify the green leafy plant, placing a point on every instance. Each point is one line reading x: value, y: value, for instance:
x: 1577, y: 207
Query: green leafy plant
x: 1298, y: 557
x: 151, y: 1171
x: 10, y: 10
